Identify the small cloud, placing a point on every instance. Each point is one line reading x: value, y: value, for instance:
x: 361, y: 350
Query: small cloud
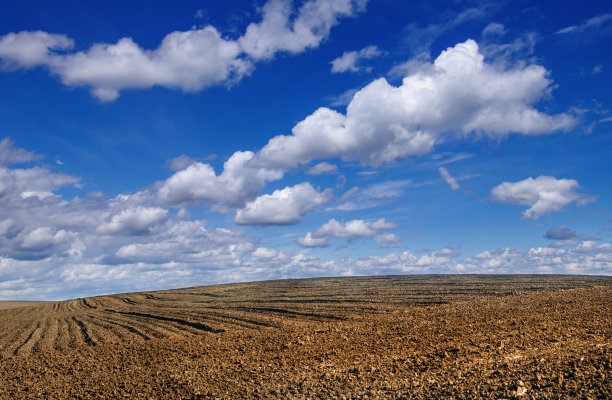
x: 388, y: 240
x: 367, y: 173
x: 350, y: 59
x: 494, y: 29
x: 351, y: 230
x: 373, y: 195
x: 282, y: 207
x: 560, y: 233
x: 343, y: 99
x: 183, y: 161
x: 597, y: 69
x: 343, y: 199
x: 322, y: 168
x: 10, y: 154
x: 179, y: 163
x: 199, y: 14
x: 607, y: 119
x: 452, y: 182
x: 543, y: 194
x: 594, y: 23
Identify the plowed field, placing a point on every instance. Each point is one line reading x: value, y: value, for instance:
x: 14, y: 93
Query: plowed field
x: 375, y: 337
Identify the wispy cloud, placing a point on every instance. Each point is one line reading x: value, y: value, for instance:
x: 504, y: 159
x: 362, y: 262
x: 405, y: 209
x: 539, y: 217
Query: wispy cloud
x: 350, y: 61
x: 591, y: 24
x: 452, y: 182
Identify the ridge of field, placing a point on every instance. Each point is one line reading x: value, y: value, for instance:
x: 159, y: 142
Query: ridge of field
x: 381, y: 337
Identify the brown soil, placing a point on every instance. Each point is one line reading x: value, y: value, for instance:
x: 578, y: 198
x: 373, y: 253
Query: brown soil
x: 376, y: 337
x: 15, y: 304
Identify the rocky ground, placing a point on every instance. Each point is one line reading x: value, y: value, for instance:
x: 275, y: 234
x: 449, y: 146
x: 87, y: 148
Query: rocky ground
x: 395, y: 337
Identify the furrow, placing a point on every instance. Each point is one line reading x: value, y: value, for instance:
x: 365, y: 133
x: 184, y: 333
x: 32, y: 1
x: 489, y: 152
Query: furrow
x: 236, y: 320
x: 63, y: 334
x: 182, y: 322
x: 87, y: 304
x: 291, y: 313
x: 103, y: 332
x: 49, y: 335
x: 74, y: 337
x: 84, y: 332
x: 143, y: 326
x: 25, y: 347
x: 116, y: 328
x: 167, y: 329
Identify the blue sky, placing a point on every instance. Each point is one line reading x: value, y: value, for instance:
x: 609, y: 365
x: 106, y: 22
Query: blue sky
x: 152, y: 145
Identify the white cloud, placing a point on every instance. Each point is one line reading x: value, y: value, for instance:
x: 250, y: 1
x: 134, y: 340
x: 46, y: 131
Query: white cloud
x: 585, y: 258
x: 420, y: 38
x: 267, y: 256
x: 452, y: 182
x: 9, y: 154
x: 43, y: 238
x: 181, y: 162
x: 388, y: 240
x: 282, y: 207
x: 543, y: 194
x: 309, y: 241
x: 31, y: 49
x: 343, y: 99
x: 189, y: 60
x: 350, y: 230
x: 349, y: 60
x: 371, y: 196
x: 494, y: 29
x: 238, y: 183
x: 323, y: 168
x: 134, y: 221
x: 589, y: 24
x: 510, y: 53
x: 279, y: 32
x: 459, y: 93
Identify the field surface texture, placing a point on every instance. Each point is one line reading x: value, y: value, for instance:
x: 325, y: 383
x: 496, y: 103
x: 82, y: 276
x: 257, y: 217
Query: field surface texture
x: 395, y: 337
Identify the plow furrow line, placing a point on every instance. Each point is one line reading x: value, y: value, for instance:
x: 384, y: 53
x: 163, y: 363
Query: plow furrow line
x: 84, y: 332
x: 113, y: 325
x: 191, y: 324
x: 28, y: 339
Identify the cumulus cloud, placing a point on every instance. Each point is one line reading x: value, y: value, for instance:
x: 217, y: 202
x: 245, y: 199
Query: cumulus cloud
x: 388, y: 240
x: 561, y: 233
x: 134, y: 221
x: 586, y: 257
x: 282, y: 207
x: 238, y: 183
x: 543, y: 194
x: 459, y: 93
x: 278, y: 31
x: 350, y: 230
x: 188, y: 60
x: 349, y: 60
x: 31, y: 49
x: 452, y: 182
